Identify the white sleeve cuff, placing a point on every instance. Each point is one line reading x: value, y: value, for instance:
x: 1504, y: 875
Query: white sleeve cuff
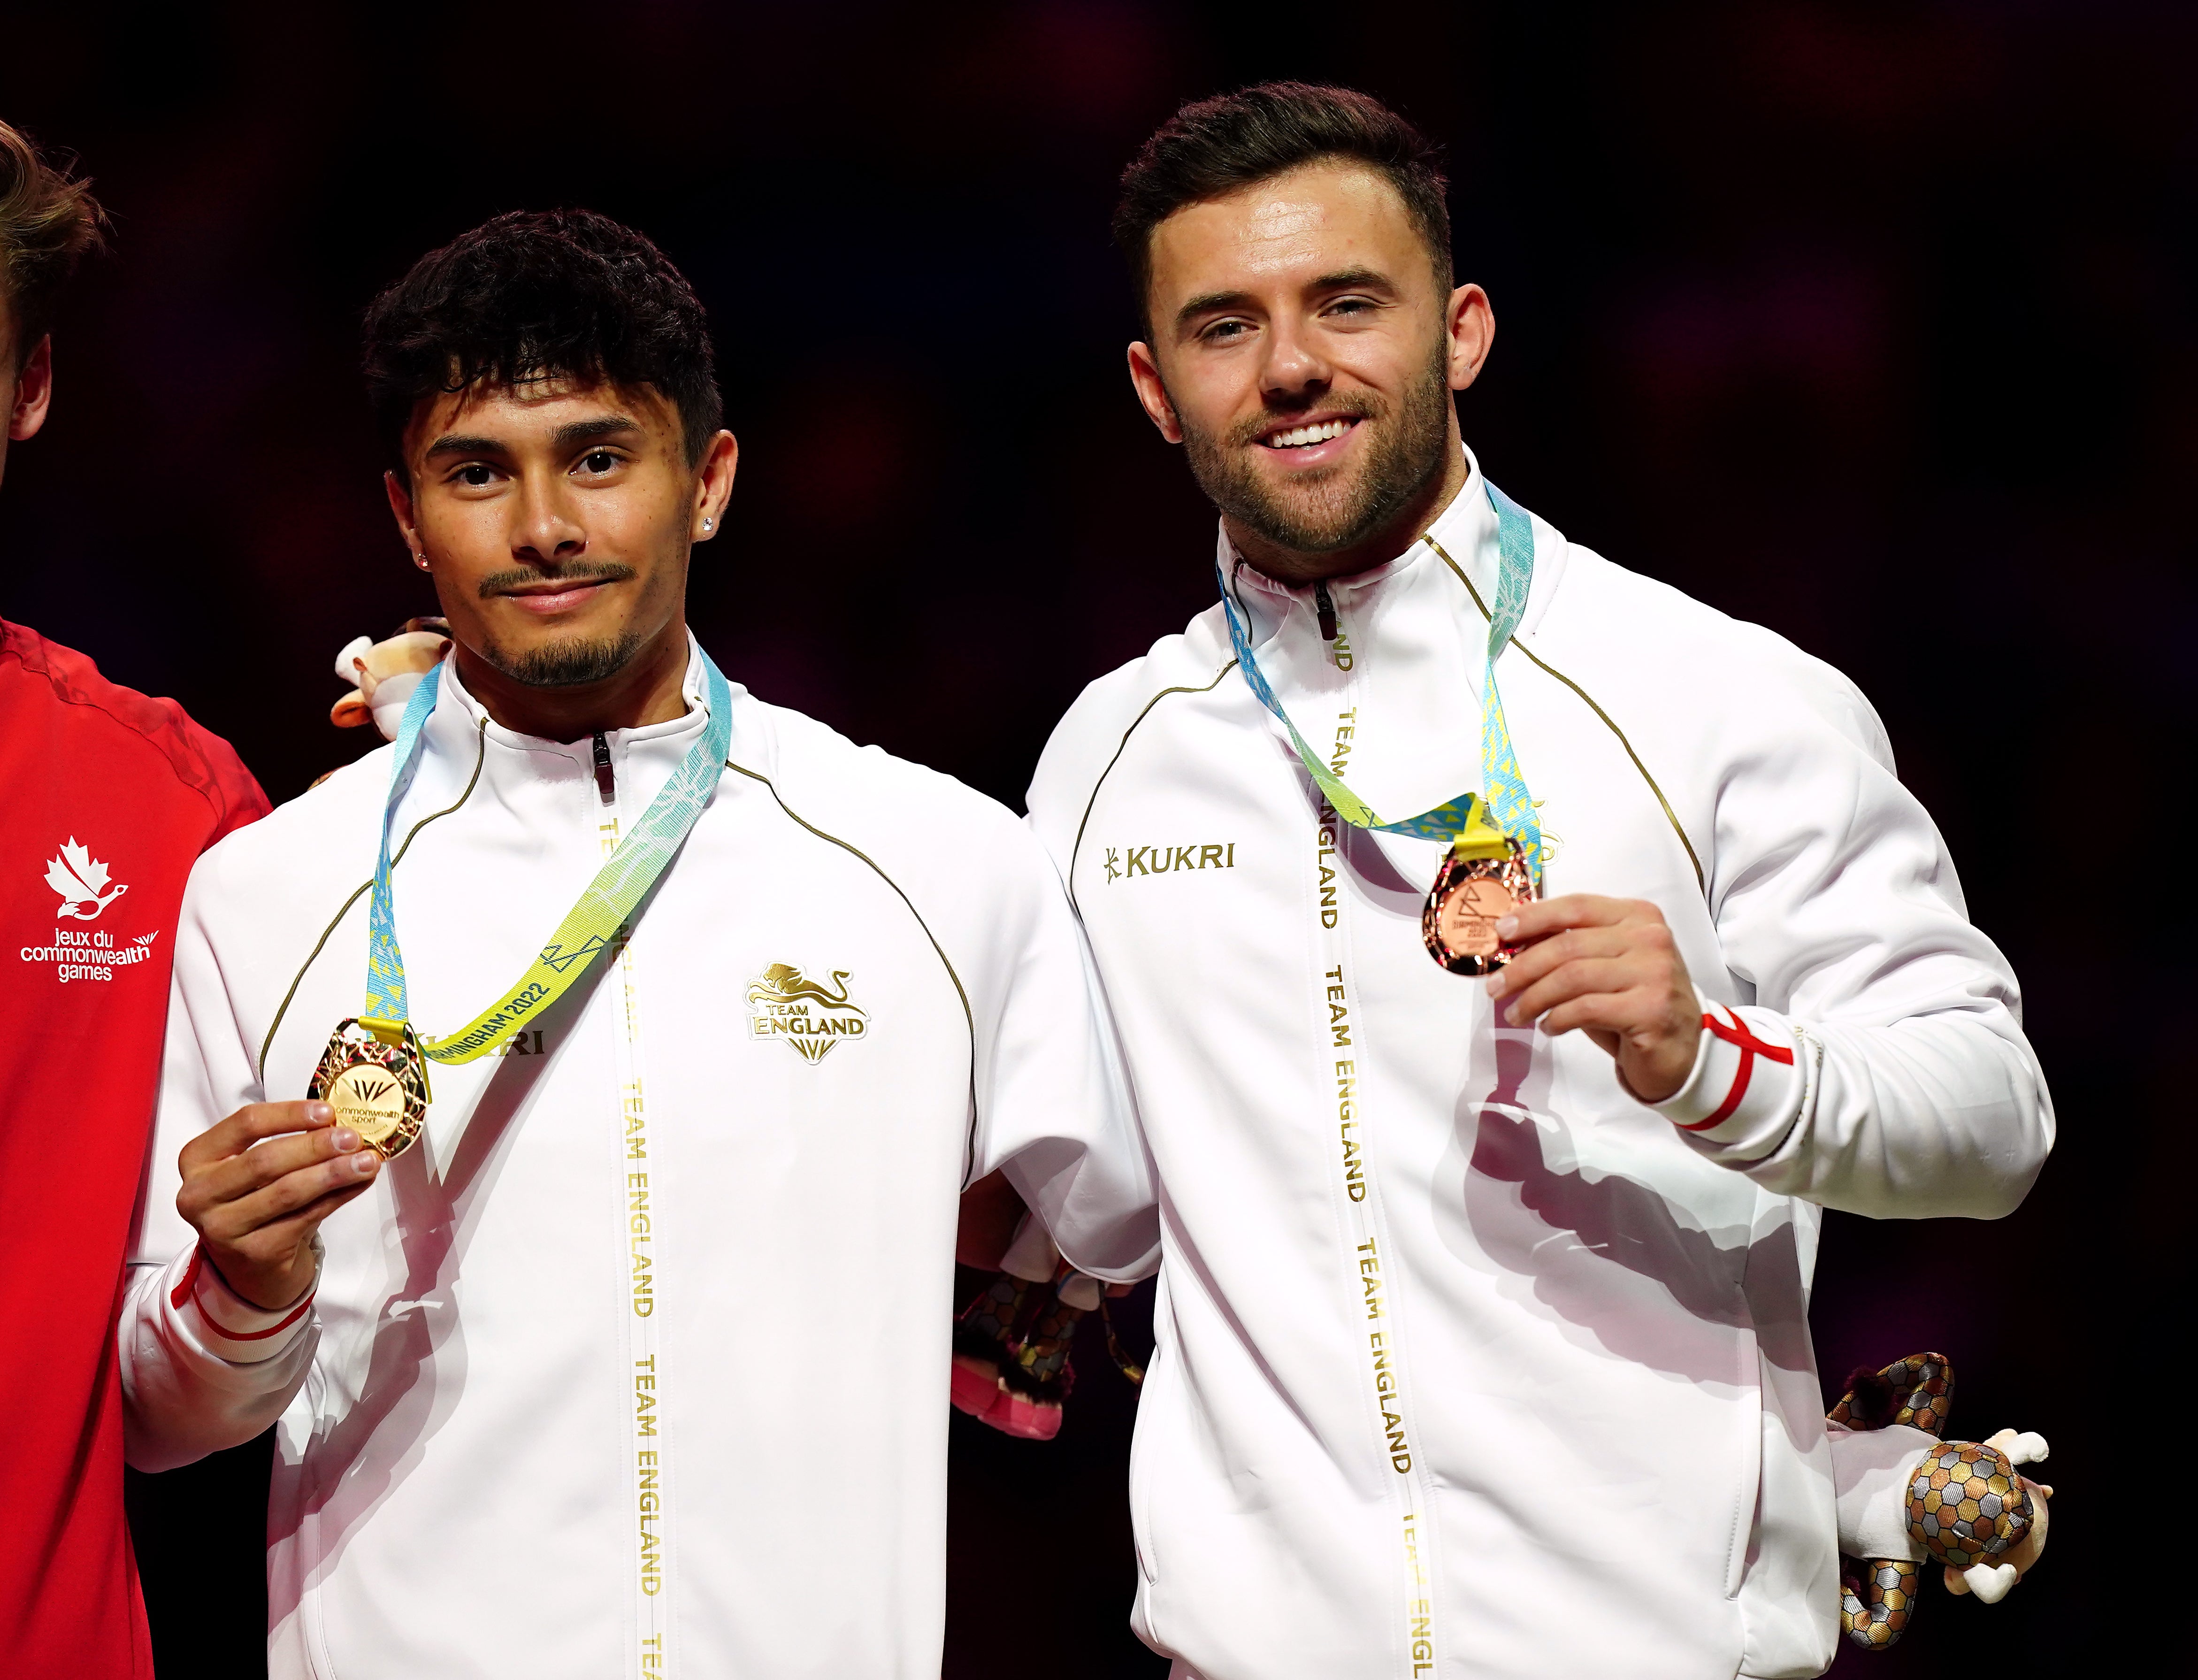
x: 1871, y: 1469
x: 222, y: 1321
x: 1747, y: 1088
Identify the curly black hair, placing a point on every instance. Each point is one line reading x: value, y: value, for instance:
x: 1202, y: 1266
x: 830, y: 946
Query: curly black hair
x: 535, y: 294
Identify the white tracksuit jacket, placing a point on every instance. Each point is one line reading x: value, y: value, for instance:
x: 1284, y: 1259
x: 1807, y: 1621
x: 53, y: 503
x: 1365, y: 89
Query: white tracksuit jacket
x: 1470, y: 1365
x: 478, y: 1470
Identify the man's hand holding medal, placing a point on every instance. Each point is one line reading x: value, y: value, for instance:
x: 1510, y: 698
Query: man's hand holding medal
x: 1608, y: 968
x: 256, y: 1186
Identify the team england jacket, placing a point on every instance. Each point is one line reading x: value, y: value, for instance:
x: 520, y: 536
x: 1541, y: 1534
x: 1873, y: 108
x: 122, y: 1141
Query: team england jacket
x: 1470, y: 1364
x: 637, y: 1362
x: 110, y: 798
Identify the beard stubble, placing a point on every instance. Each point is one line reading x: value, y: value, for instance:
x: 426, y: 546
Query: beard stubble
x: 1335, y: 509
x: 569, y: 664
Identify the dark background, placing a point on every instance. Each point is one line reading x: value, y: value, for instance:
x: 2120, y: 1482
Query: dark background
x: 1872, y: 323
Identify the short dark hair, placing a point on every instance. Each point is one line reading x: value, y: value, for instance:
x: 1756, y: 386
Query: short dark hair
x: 47, y: 220
x: 537, y: 294
x: 1215, y: 147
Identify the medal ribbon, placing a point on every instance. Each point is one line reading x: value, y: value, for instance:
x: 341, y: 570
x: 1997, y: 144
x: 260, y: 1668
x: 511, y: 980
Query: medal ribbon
x: 595, y: 919
x: 1505, y: 801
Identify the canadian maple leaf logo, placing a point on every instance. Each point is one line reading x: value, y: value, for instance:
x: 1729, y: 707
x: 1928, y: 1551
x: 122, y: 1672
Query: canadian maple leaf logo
x: 81, y: 880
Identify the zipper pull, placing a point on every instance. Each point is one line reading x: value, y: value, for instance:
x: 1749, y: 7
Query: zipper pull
x: 1326, y: 608
x: 606, y: 788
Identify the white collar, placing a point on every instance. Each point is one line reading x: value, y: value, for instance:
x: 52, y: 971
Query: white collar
x: 459, y: 716
x: 1466, y: 530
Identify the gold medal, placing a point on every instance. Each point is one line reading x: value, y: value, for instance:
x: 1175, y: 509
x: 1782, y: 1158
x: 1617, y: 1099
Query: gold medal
x: 373, y: 1076
x: 1484, y: 878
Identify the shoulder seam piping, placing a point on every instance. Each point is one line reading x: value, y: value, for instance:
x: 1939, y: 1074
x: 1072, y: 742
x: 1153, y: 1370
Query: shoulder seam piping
x: 1181, y: 688
x: 969, y: 1016
x: 1702, y: 885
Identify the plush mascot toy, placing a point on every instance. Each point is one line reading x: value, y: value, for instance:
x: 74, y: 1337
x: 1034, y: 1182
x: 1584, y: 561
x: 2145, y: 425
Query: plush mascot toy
x: 1011, y: 1344
x: 387, y: 673
x: 1907, y: 1497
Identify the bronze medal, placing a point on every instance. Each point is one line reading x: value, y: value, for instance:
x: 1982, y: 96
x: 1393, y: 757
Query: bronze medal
x: 378, y: 1087
x: 1472, y: 890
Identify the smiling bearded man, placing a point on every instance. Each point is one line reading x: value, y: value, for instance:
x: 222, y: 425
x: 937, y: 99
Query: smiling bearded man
x: 534, y: 1409
x: 1483, y: 1345
x: 1327, y: 508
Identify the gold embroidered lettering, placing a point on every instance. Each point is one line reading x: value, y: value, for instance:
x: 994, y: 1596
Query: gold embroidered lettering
x: 1329, y: 910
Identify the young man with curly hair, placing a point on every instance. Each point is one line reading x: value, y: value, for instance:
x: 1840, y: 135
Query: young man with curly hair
x: 110, y: 798
x: 529, y: 1287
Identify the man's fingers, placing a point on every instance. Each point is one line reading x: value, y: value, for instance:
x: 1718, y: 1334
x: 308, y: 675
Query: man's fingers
x: 1540, y: 959
x: 1545, y: 916
x: 1578, y: 979
x: 247, y: 1126
x: 1613, y: 1012
x: 273, y: 1243
x: 1611, y: 968
x: 235, y: 1176
x: 232, y: 1221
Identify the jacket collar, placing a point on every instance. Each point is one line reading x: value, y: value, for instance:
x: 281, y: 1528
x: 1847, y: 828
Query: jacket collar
x: 642, y: 759
x: 1466, y: 530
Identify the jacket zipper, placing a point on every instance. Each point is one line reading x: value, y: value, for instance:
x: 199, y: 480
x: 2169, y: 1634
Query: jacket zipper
x: 1326, y: 608
x: 654, y: 1467
x: 606, y: 786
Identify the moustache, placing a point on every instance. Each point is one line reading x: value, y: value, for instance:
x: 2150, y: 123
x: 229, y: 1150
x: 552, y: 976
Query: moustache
x: 593, y: 571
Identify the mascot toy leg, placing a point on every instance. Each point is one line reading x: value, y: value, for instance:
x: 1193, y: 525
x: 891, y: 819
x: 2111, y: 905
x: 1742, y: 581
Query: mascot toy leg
x: 1011, y: 1344
x: 1907, y: 1497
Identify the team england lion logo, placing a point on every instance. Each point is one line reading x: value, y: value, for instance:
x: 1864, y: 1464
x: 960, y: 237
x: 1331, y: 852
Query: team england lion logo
x: 783, y: 1004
